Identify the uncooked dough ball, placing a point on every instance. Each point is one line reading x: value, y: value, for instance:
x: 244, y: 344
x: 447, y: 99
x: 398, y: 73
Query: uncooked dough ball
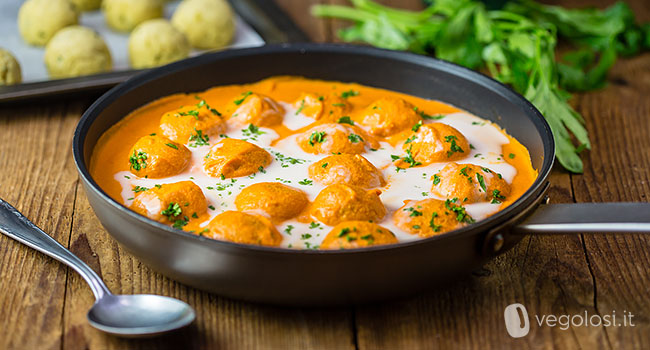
x: 155, y: 43
x: 75, y: 51
x: 9, y: 69
x: 87, y: 5
x: 208, y: 24
x: 125, y: 15
x: 39, y: 20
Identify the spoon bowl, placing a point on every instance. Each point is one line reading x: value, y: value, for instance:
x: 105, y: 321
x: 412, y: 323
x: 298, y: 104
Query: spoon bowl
x: 139, y: 315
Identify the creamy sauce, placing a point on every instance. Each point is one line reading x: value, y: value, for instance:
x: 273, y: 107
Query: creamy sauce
x: 488, y: 144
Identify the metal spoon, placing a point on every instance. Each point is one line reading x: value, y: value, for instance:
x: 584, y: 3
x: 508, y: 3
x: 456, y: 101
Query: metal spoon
x: 121, y: 315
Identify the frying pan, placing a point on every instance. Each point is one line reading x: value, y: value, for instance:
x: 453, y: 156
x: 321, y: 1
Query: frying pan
x: 312, y: 277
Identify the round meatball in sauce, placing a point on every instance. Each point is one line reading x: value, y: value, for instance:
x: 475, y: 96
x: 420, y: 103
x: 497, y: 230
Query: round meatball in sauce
x: 256, y: 109
x: 357, y: 234
x: 333, y: 138
x: 239, y: 227
x: 431, y: 143
x: 470, y: 184
x: 388, y: 116
x: 175, y: 203
x: 156, y: 156
x: 278, y: 201
x: 194, y: 124
x: 340, y: 202
x: 234, y: 158
x: 430, y: 217
x: 350, y: 169
x: 321, y: 107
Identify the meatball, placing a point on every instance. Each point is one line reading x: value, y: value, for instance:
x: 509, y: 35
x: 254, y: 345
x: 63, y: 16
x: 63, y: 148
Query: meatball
x: 430, y: 217
x: 10, y: 72
x: 470, y: 184
x: 124, y: 15
x: 278, y: 201
x: 322, y: 107
x: 157, y: 156
x: 351, y: 169
x: 239, y: 227
x: 175, y: 203
x: 207, y: 24
x: 388, y: 116
x: 194, y: 124
x: 39, y: 20
x: 156, y: 42
x: 338, y: 203
x: 234, y: 158
x: 332, y: 138
x: 357, y: 234
x: 432, y: 143
x: 252, y: 108
x: 75, y: 51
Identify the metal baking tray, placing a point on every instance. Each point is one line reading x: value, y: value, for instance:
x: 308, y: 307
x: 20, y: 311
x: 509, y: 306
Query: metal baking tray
x: 258, y: 22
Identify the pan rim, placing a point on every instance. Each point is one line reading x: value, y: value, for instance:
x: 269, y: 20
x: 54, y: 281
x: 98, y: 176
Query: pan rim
x: 113, y: 95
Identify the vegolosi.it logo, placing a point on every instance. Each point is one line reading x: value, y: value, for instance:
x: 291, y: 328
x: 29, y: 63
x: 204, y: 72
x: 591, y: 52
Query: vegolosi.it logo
x: 518, y: 322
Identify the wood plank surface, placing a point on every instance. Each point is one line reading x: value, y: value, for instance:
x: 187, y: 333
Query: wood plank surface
x: 43, y: 304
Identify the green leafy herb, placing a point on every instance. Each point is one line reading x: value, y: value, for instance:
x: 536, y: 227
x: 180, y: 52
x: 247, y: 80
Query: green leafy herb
x: 171, y: 145
x: 302, y: 106
x: 459, y: 210
x: 317, y: 137
x: 349, y: 93
x: 516, y: 44
x: 173, y: 210
x: 436, y: 179
x: 354, y: 138
x: 497, y: 197
x: 242, y: 98
x: 417, y: 126
x: 481, y: 181
x: 453, y: 147
x: 138, y: 160
x: 199, y: 139
x: 413, y: 211
x: 306, y: 182
x: 345, y: 120
x: 436, y: 228
x: 288, y: 229
x: 138, y: 189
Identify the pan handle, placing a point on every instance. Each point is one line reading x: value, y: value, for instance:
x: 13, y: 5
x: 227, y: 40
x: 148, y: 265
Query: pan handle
x: 587, y: 218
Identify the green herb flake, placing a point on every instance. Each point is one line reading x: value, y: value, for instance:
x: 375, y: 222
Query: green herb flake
x: 317, y: 137
x: 436, y: 179
x: 345, y: 120
x: 242, y: 98
x: 354, y: 138
x: 349, y: 93
x: 138, y: 160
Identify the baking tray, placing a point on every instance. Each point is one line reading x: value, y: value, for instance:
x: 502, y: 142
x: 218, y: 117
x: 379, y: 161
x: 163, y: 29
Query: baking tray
x: 258, y: 22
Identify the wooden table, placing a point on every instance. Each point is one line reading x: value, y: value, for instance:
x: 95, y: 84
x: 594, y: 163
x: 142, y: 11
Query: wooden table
x: 43, y: 304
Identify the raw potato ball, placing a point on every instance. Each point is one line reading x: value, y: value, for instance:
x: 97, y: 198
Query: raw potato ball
x: 208, y: 24
x: 39, y: 20
x: 125, y: 15
x: 75, y: 51
x: 87, y: 5
x: 9, y: 69
x: 155, y: 43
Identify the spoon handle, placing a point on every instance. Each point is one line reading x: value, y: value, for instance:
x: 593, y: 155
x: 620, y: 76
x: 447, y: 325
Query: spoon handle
x: 16, y: 226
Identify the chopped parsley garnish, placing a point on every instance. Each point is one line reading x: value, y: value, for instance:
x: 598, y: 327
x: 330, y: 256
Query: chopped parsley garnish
x: 138, y: 160
x: 436, y: 179
x: 459, y: 210
x: 413, y: 211
x: 199, y: 139
x: 345, y: 120
x: 436, y: 228
x: 344, y: 231
x: 305, y: 236
x: 338, y: 105
x: 261, y: 170
x: 324, y: 165
x: 195, y: 216
x: 288, y: 229
x: 158, y: 186
x: 407, y: 159
x: 481, y: 181
x: 173, y: 210
x: 302, y: 106
x: 417, y: 227
x: 349, y: 93
x: 486, y: 170
x: 317, y: 137
x: 417, y: 126
x: 497, y: 197
x: 314, y: 225
x: 306, y: 182
x: 410, y: 139
x: 354, y: 138
x: 212, y: 207
x: 242, y: 98
x: 138, y: 189
x: 252, y: 131
x: 453, y: 148
x: 180, y: 223
x: 203, y: 103
x: 152, y: 134
x: 283, y: 180
x: 427, y: 116
x: 193, y: 112
x: 285, y: 160
x: 205, y: 230
x: 511, y: 156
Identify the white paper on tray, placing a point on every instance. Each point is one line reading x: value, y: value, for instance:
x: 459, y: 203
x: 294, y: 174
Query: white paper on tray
x: 31, y: 58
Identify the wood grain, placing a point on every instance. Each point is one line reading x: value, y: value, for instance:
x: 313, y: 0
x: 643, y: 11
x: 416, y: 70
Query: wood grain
x: 43, y: 305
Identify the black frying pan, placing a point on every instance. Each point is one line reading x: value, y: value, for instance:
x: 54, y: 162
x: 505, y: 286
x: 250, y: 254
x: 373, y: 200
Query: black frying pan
x: 307, y: 277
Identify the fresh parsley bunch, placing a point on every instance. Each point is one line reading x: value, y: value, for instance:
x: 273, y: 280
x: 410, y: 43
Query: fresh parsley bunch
x: 516, y: 44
